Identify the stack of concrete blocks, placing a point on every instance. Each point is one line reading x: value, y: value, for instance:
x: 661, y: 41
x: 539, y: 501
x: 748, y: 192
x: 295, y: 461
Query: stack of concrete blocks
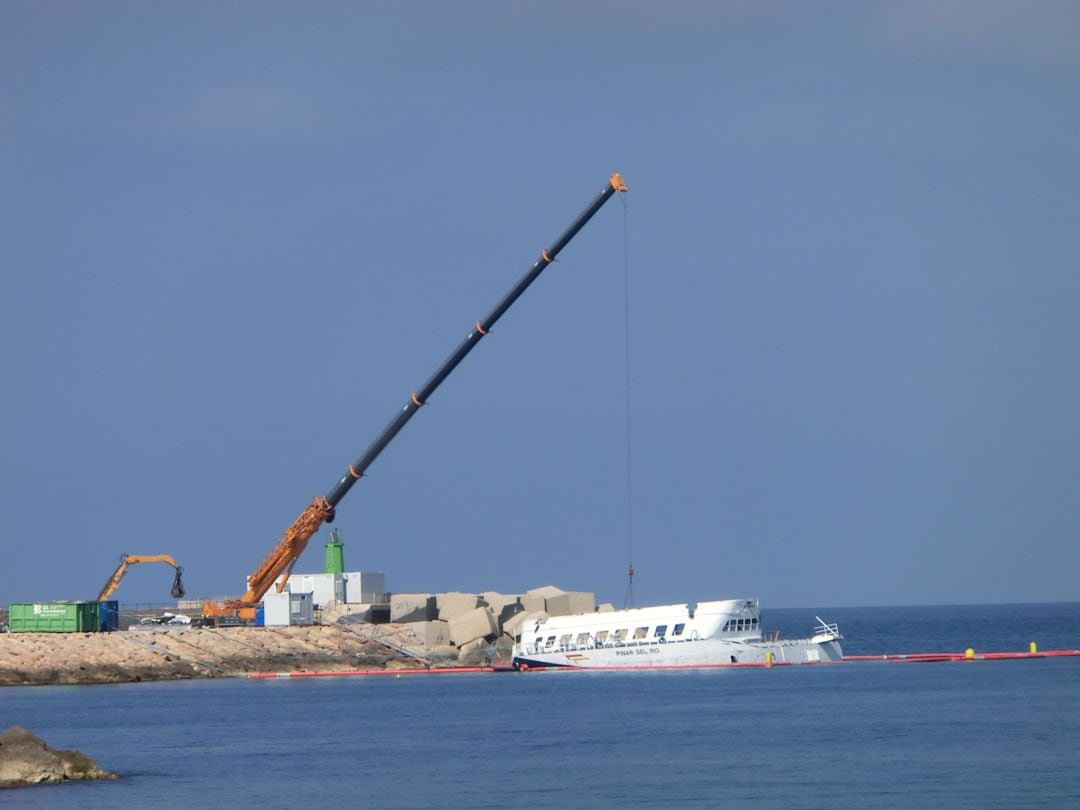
x: 558, y: 602
x: 472, y: 631
x: 454, y: 604
x: 503, y: 605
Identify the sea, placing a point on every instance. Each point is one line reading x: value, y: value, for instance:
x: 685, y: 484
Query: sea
x: 986, y: 734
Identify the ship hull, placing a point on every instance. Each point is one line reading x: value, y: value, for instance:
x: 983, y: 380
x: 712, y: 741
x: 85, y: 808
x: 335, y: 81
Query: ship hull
x: 711, y: 634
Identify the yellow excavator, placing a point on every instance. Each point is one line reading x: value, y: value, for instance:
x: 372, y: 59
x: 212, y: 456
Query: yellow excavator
x: 131, y: 559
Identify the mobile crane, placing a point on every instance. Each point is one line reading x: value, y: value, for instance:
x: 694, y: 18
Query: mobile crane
x: 283, y: 556
x: 127, y: 560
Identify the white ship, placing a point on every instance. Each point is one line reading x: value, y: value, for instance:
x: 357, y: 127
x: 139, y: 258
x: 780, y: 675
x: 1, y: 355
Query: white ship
x: 709, y: 634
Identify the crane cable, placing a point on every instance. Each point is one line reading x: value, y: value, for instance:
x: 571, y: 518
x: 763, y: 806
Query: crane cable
x: 628, y: 599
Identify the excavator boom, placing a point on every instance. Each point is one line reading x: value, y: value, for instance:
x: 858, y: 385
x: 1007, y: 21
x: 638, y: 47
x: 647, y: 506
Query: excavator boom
x: 281, y: 559
x: 132, y: 559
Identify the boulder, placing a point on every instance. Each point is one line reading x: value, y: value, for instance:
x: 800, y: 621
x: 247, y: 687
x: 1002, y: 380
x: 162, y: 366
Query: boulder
x: 476, y: 653
x: 27, y: 760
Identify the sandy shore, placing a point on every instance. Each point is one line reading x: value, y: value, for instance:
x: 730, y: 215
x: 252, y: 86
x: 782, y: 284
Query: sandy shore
x: 160, y: 654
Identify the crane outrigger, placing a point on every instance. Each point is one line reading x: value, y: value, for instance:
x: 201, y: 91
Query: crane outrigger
x: 278, y: 564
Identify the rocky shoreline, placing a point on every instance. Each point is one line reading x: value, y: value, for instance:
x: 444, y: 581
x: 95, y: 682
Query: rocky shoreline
x: 27, y: 760
x: 160, y: 654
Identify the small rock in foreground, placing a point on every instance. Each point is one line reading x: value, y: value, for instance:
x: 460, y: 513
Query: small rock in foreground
x: 27, y: 760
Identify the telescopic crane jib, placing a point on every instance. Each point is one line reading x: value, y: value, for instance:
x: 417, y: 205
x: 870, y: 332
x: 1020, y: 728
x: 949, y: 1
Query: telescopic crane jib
x: 281, y: 559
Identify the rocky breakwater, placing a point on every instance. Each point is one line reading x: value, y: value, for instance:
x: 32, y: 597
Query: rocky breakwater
x: 170, y: 654
x: 27, y: 760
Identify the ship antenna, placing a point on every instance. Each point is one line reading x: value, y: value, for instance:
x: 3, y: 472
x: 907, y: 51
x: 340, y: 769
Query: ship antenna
x: 629, y: 598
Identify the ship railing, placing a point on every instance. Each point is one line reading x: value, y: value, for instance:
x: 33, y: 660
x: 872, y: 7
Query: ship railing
x: 825, y: 629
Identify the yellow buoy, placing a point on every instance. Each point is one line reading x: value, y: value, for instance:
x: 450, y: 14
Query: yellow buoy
x: 768, y: 658
x: 969, y: 654
x: 1034, y: 648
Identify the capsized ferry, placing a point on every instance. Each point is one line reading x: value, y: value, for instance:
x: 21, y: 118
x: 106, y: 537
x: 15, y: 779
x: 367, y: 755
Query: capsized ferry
x: 708, y: 634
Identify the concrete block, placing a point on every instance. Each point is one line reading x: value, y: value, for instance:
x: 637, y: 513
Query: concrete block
x: 474, y: 653
x: 513, y: 626
x: 478, y: 623
x: 607, y: 607
x: 570, y: 602
x: 582, y: 602
x: 533, y: 602
x: 508, y: 612
x: 452, y: 605
x: 546, y: 591
x: 497, y: 601
x: 426, y: 634
x: 412, y: 607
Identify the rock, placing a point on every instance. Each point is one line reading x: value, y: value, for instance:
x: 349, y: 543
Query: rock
x: 27, y: 760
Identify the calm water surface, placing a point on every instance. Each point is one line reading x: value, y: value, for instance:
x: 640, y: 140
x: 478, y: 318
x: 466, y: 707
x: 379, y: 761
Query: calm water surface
x: 982, y: 734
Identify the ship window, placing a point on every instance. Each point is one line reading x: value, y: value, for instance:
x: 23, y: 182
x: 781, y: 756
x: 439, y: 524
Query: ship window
x: 661, y: 631
x: 601, y: 636
x: 641, y: 632
x: 727, y: 626
x: 620, y: 634
x: 582, y: 639
x: 564, y: 641
x: 753, y: 622
x: 550, y: 641
x: 677, y: 629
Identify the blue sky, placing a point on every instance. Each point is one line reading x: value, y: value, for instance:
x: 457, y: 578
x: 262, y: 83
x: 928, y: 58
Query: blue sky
x: 235, y: 237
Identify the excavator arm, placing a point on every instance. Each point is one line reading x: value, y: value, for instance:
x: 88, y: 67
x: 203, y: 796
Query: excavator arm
x: 281, y: 559
x: 127, y: 560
